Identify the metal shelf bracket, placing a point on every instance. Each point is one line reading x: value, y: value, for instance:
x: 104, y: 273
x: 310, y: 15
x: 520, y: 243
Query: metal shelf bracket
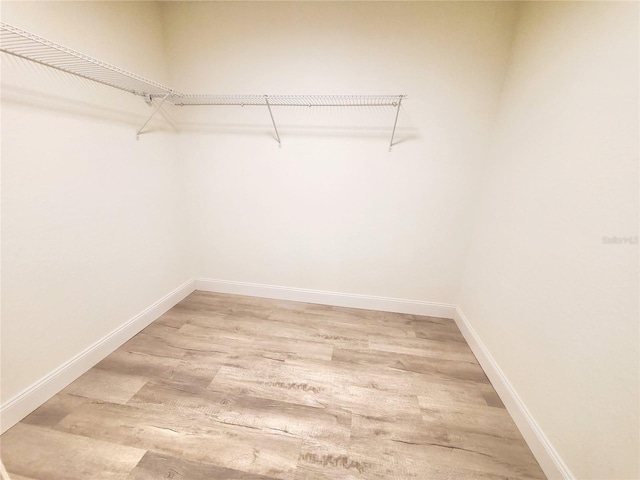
x: 275, y: 128
x: 395, y: 123
x: 155, y: 110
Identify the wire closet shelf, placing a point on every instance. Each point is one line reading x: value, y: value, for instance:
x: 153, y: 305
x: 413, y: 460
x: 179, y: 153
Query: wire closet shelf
x: 31, y: 47
x: 289, y: 100
x: 26, y: 45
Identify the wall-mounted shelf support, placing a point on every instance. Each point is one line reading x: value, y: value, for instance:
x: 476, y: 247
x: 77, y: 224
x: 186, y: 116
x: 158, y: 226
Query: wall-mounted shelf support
x: 395, y: 123
x: 266, y: 100
x: 26, y: 45
x: 155, y: 110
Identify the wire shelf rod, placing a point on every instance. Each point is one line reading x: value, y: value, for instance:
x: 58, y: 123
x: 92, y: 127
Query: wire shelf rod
x: 289, y: 100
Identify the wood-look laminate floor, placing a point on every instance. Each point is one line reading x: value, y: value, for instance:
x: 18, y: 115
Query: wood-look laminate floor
x: 233, y: 387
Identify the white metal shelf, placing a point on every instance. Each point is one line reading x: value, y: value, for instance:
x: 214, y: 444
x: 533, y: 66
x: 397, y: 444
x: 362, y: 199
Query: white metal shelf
x: 288, y: 100
x: 26, y: 45
x: 40, y: 50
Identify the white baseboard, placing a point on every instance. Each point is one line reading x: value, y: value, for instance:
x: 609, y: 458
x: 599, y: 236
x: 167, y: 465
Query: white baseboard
x: 32, y: 397
x: 547, y: 456
x: 322, y: 297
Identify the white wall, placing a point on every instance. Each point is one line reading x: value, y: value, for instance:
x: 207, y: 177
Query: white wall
x: 333, y: 210
x: 91, y: 232
x: 555, y: 306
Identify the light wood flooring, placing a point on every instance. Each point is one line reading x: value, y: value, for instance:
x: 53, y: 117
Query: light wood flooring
x: 233, y: 387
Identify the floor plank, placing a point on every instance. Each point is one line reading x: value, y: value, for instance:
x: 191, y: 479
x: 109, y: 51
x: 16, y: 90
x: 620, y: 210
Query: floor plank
x: 154, y: 466
x: 467, y: 370
x: 42, y: 453
x: 106, y: 385
x: 189, y: 434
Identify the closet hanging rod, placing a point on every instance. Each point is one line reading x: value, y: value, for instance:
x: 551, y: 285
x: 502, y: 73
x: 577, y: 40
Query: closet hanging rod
x: 287, y: 100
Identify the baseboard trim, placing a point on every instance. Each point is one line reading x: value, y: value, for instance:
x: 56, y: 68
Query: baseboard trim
x: 32, y: 397
x: 323, y: 297
x: 547, y: 456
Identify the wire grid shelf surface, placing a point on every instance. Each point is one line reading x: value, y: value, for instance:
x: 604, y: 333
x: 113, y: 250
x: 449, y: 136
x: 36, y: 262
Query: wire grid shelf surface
x: 288, y: 100
x: 26, y: 45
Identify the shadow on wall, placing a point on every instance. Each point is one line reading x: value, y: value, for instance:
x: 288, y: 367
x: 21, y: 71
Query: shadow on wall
x: 64, y: 105
x: 364, y: 122
x: 291, y: 130
x: 35, y: 86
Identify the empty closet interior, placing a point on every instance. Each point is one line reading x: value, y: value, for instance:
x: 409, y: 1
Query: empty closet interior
x: 471, y: 161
